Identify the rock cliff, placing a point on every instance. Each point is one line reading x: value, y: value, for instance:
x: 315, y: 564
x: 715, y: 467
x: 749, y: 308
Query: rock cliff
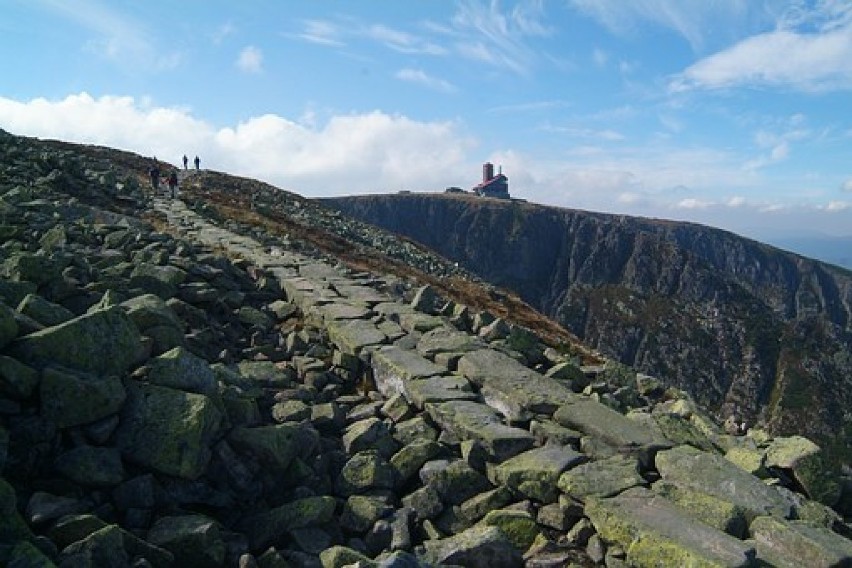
x: 757, y: 334
x: 238, y: 377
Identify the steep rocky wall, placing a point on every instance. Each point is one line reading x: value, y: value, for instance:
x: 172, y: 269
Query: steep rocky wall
x: 756, y: 333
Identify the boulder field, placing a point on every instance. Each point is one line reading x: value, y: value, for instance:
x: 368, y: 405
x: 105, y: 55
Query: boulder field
x: 202, y: 394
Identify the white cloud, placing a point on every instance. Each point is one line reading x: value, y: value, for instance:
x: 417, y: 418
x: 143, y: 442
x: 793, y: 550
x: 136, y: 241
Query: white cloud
x: 358, y: 153
x: 783, y: 58
x: 600, y: 57
x: 692, y: 203
x: 402, y: 41
x: 847, y: 185
x: 420, y: 77
x: 833, y: 206
x: 250, y: 59
x: 321, y: 32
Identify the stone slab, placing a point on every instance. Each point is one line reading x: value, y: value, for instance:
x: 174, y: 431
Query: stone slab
x: 714, y: 475
x: 466, y: 419
x: 655, y: 532
x: 393, y: 366
x: 600, y: 421
x: 351, y: 336
x: 512, y: 388
x: 419, y: 392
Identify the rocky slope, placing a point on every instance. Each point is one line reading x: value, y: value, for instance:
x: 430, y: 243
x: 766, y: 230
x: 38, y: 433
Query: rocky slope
x: 225, y: 380
x: 758, y: 335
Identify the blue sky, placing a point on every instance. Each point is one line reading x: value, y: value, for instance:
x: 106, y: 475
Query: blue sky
x: 734, y: 113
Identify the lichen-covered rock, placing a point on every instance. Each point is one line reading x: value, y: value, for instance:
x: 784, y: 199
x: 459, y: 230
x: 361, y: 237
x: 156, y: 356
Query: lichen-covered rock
x: 17, y: 381
x: 362, y: 511
x: 182, y: 370
x: 149, y: 310
x: 8, y: 325
x: 808, y: 464
x: 12, y: 526
x: 267, y: 527
x: 655, y: 532
x: 72, y: 528
x: 275, y: 445
x: 104, y: 342
x: 342, y: 556
x: 71, y: 399
x: 716, y: 512
x: 536, y: 472
x: 481, y: 546
x: 467, y: 419
x: 370, y: 433
x: 408, y: 460
x: 43, y: 311
x: 104, y: 547
x: 714, y: 475
x: 393, y: 367
x: 797, y: 543
x: 518, y: 526
x: 194, y: 540
x: 455, y: 481
x: 39, y: 269
x: 365, y: 471
x: 168, y: 430
x: 91, y: 466
x: 601, y: 478
x: 24, y: 554
x: 524, y: 389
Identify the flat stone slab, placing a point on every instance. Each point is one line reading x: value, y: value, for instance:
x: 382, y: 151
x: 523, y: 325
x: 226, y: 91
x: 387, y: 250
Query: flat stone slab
x: 714, y: 475
x: 535, y: 473
x: 602, y: 422
x: 512, y: 388
x: 602, y: 478
x: 465, y: 419
x: 360, y: 293
x: 655, y: 532
x: 797, y: 543
x: 448, y: 340
x: 306, y: 293
x: 419, y: 392
x: 351, y: 336
x: 394, y: 366
x: 342, y: 311
x: 320, y: 271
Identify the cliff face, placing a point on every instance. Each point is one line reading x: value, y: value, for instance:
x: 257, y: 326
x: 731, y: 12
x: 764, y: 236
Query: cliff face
x: 756, y: 333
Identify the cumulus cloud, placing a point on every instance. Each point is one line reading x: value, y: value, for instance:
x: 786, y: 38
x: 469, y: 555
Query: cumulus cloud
x: 784, y: 58
x: 357, y: 153
x: 250, y: 59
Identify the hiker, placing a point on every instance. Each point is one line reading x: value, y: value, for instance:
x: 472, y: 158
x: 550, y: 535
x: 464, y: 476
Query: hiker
x: 154, y: 173
x: 197, y: 163
x: 185, y: 161
x: 173, y: 181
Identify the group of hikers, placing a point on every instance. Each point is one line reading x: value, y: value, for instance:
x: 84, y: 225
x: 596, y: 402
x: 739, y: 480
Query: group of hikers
x: 172, y: 178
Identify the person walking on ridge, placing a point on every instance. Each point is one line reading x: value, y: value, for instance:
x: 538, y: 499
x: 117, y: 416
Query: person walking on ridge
x: 154, y: 174
x: 197, y: 163
x: 185, y: 161
x: 173, y: 181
